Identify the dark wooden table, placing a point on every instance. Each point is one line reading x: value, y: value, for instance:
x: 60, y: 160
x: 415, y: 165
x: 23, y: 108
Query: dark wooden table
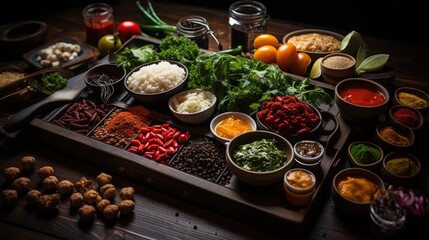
x: 160, y: 216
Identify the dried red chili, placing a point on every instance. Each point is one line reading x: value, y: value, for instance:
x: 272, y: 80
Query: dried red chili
x: 406, y: 116
x: 288, y: 115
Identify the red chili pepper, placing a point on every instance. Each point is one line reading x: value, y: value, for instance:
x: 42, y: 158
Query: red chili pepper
x: 135, y: 142
x: 153, y: 147
x: 144, y: 130
x: 168, y: 143
x: 133, y: 149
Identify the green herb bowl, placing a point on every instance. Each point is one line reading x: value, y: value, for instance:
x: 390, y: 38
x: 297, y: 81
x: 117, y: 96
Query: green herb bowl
x: 254, y: 177
x: 355, y: 161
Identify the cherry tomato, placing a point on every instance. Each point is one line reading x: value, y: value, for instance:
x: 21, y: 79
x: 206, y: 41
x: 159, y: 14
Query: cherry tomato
x: 266, y: 54
x: 286, y: 55
x: 265, y: 39
x: 301, y: 64
x: 109, y: 43
x: 127, y: 29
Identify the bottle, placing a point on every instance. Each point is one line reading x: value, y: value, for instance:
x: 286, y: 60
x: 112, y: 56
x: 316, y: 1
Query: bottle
x: 247, y: 19
x: 98, y: 18
x: 194, y: 28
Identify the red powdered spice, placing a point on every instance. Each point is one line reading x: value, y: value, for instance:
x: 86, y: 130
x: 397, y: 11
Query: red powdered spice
x: 407, y: 117
x: 127, y: 123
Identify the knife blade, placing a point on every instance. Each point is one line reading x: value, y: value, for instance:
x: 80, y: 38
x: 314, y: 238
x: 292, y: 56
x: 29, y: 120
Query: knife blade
x: 74, y: 87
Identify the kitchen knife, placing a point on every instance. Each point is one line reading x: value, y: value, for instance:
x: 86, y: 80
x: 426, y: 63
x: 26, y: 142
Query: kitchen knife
x: 74, y: 87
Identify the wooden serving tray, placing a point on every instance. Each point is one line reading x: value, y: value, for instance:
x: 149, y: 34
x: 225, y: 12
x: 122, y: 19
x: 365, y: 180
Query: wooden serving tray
x: 262, y: 207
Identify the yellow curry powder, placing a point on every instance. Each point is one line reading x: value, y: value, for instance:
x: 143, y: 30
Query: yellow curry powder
x: 390, y: 135
x: 412, y: 100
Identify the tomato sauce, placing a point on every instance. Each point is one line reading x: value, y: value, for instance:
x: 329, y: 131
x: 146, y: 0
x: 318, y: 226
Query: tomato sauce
x: 362, y: 96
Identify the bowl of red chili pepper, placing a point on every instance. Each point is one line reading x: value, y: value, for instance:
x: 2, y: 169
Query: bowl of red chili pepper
x: 407, y: 116
x: 360, y: 100
x: 289, y: 116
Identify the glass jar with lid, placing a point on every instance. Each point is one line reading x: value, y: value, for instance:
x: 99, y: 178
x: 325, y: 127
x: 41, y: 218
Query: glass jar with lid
x: 194, y: 28
x: 98, y: 19
x: 247, y: 19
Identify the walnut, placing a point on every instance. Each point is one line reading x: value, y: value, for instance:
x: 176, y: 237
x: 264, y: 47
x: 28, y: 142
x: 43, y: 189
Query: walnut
x: 90, y: 196
x: 45, y: 172
x: 32, y: 196
x: 48, y: 201
x: 111, y: 211
x: 21, y: 184
x: 28, y: 162
x: 11, y: 173
x: 84, y: 185
x: 126, y: 206
x: 50, y: 182
x: 107, y: 191
x: 76, y: 199
x: 9, y: 196
x: 86, y: 212
x: 100, y: 205
x: 103, y: 179
x: 65, y: 187
x: 127, y: 193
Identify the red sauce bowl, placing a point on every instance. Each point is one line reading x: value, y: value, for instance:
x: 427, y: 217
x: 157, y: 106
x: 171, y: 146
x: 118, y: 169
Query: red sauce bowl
x: 360, y: 100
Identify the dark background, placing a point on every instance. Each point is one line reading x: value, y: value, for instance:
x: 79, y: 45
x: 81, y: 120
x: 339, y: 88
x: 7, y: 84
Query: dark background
x: 403, y: 21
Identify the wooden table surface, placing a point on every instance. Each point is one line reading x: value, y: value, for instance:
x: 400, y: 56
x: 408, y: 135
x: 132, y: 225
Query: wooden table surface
x: 159, y: 216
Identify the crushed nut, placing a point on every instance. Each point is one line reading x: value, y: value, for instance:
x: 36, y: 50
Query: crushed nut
x: 28, y: 162
x: 126, y: 206
x: 9, y: 196
x: 100, y: 205
x: 45, y: 172
x: 50, y: 182
x: 127, y: 193
x: 107, y: 191
x: 11, y: 173
x: 65, y: 187
x: 90, y: 196
x: 86, y: 212
x: 76, y: 199
x: 21, y: 184
x: 32, y: 197
x: 111, y: 211
x: 103, y: 179
x: 84, y: 185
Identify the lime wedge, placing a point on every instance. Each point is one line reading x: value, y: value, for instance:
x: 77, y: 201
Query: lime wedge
x: 372, y: 63
x: 351, y: 43
x: 315, y: 71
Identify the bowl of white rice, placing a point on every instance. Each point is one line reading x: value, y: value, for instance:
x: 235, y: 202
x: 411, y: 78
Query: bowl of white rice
x: 156, y: 81
x: 193, y: 106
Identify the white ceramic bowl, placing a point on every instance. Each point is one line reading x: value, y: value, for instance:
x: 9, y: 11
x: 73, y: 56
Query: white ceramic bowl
x: 253, y: 177
x: 197, y: 117
x: 237, y: 115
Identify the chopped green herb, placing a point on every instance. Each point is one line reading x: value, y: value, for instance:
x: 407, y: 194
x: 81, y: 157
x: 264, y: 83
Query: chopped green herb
x: 53, y: 82
x: 260, y: 156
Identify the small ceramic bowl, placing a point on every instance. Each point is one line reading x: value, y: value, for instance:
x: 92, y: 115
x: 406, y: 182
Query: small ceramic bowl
x: 359, y: 155
x: 143, y: 83
x: 299, y: 185
x: 314, y: 55
x: 401, y: 169
x: 193, y: 106
x: 394, y: 137
x: 403, y: 94
x: 103, y: 77
x: 308, y: 154
x: 360, y: 108
x: 353, y: 189
x: 336, y: 67
x: 259, y: 178
x: 237, y: 119
x: 407, y: 116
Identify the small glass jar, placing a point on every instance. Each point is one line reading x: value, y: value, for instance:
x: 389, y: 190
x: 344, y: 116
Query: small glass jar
x: 299, y: 186
x: 194, y: 28
x: 387, y: 217
x: 98, y: 19
x: 247, y: 19
x: 308, y: 154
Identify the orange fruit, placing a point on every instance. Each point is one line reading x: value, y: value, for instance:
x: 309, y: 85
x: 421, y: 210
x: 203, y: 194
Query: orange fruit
x: 301, y: 64
x: 286, y: 55
x: 265, y: 39
x: 266, y: 54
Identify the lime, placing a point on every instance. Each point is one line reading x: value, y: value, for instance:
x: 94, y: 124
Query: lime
x: 372, y: 63
x: 315, y: 71
x: 351, y: 43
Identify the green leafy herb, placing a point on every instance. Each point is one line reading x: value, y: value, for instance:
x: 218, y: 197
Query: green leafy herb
x: 260, y: 156
x: 130, y: 58
x: 180, y: 49
x: 53, y: 82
